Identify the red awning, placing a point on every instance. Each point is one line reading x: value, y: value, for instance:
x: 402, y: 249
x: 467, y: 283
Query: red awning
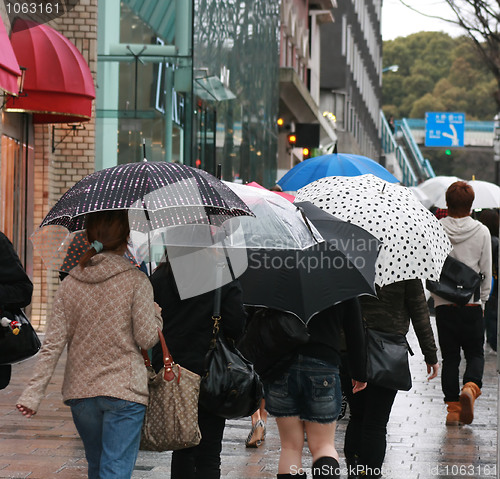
x: 9, y: 69
x: 58, y: 84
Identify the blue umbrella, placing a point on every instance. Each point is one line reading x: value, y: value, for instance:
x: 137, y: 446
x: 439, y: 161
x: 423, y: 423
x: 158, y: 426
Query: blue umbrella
x: 335, y: 164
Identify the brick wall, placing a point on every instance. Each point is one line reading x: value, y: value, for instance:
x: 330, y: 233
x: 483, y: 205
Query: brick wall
x: 74, y: 155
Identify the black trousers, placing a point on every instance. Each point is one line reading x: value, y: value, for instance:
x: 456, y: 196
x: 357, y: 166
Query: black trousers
x: 203, y: 460
x: 460, y: 328
x: 365, y: 438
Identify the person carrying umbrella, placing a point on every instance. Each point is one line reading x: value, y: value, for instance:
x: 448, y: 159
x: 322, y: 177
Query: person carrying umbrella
x: 391, y: 311
x: 414, y: 247
x: 461, y: 327
x: 188, y: 330
x: 104, y: 312
x: 307, y: 396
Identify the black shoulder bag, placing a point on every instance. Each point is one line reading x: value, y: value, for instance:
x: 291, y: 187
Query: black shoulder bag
x: 18, y: 339
x: 230, y: 387
x: 457, y: 283
x: 387, y: 360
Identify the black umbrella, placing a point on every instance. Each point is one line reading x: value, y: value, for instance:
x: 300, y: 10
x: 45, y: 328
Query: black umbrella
x: 157, y: 195
x: 170, y: 193
x: 305, y: 282
x: 357, y: 244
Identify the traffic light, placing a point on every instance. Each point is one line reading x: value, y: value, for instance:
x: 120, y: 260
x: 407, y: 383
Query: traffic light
x: 306, y: 153
x: 280, y: 122
x: 448, y: 152
x: 292, y: 139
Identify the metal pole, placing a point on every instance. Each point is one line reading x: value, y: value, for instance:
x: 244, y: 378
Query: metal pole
x: 169, y: 83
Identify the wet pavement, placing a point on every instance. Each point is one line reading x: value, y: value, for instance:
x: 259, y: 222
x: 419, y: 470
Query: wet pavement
x: 420, y: 446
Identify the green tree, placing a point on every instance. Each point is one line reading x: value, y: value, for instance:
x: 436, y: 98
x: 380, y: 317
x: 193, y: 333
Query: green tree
x: 437, y: 73
x: 426, y: 103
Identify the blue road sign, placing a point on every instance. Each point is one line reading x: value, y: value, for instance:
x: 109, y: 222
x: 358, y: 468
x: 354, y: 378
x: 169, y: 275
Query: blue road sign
x: 444, y: 129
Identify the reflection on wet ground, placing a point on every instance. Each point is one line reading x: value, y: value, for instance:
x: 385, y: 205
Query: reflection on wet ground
x: 420, y: 446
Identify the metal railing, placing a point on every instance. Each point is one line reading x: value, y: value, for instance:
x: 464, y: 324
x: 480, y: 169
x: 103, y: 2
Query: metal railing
x: 425, y: 168
x: 389, y: 145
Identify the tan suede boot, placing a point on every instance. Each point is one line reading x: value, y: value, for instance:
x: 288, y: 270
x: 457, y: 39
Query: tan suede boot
x: 453, y: 417
x: 470, y: 392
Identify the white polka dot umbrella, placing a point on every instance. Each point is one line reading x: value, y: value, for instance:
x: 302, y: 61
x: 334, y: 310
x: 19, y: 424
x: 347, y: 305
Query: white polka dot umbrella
x: 414, y: 244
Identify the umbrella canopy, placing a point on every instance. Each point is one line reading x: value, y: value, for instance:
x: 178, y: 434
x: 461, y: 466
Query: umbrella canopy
x: 359, y: 246
x: 414, y: 243
x: 159, y: 197
x: 278, y: 224
x: 290, y: 266
x: 171, y: 193
x: 421, y: 196
x: 335, y: 164
x: 435, y: 188
x: 287, y: 196
x: 486, y: 195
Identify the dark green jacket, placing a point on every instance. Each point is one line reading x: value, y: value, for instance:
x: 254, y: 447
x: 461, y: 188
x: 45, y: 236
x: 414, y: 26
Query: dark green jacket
x: 397, y: 304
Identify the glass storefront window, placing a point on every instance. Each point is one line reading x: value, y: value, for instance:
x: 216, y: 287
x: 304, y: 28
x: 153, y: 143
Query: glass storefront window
x: 137, y: 103
x: 236, y: 67
x: 217, y: 103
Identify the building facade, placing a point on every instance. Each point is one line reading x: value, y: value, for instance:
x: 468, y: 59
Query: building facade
x: 299, y: 76
x: 351, y: 75
x: 190, y: 82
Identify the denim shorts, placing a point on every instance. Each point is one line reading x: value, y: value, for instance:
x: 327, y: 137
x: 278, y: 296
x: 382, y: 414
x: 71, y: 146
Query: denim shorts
x: 309, y: 389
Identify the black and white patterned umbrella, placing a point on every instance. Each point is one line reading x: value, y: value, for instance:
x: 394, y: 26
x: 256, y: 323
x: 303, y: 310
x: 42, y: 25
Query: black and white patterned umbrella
x: 171, y: 193
x: 414, y: 244
x: 157, y: 195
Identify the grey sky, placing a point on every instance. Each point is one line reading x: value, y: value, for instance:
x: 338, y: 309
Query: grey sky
x: 400, y: 21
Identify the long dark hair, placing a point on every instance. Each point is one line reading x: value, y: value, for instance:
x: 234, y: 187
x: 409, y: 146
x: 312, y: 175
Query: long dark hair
x: 110, y: 227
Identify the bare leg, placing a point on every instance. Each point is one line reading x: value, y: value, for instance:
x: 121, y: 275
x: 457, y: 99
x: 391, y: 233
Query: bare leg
x: 321, y: 439
x: 291, y: 430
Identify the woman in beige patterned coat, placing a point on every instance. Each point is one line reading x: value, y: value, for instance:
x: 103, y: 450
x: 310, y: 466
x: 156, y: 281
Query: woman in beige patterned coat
x: 104, y: 312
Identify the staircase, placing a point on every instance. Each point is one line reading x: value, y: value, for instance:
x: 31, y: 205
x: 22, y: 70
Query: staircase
x: 403, y: 155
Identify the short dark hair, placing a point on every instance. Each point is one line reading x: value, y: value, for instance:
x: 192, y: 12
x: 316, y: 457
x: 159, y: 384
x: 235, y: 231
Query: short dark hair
x: 110, y: 227
x: 459, y: 198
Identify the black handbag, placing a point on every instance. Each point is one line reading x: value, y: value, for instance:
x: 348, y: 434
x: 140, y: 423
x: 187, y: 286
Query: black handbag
x: 230, y: 387
x: 457, y: 283
x: 387, y: 360
x: 271, y: 341
x: 18, y: 340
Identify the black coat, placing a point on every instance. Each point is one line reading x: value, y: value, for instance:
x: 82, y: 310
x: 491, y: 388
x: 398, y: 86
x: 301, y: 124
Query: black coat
x: 15, y: 289
x: 15, y: 286
x: 187, y: 323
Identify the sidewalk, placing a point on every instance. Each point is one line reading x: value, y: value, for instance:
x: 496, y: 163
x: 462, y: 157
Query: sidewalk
x: 420, y: 446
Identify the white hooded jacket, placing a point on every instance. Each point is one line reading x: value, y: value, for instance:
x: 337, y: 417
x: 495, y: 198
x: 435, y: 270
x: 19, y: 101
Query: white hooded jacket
x: 471, y: 242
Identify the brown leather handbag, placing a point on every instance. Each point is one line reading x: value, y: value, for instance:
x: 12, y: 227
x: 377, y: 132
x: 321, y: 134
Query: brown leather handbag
x: 171, y: 420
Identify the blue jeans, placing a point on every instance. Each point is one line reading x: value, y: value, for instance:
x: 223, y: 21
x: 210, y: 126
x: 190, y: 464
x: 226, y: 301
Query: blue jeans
x: 110, y: 429
x: 309, y: 389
